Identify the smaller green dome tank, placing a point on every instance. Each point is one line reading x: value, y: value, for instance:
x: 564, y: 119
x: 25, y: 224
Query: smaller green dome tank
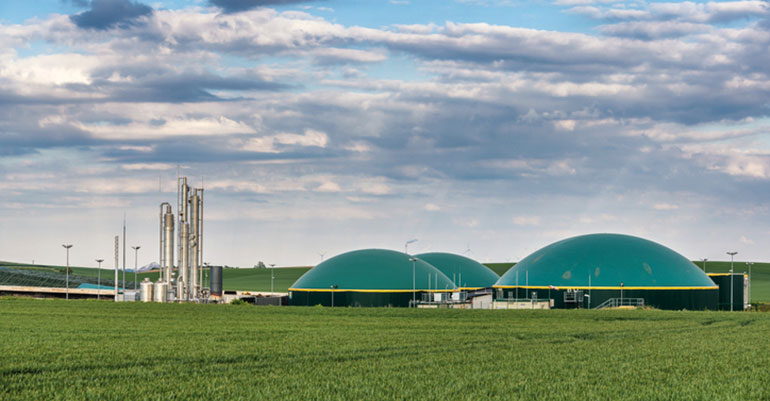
x: 466, y: 273
x: 373, y: 270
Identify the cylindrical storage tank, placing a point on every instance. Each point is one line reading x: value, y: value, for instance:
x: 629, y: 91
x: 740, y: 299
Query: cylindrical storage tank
x: 216, y: 281
x: 161, y: 289
x: 145, y: 287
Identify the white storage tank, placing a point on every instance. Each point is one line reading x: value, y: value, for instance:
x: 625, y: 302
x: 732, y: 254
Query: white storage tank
x: 161, y: 293
x: 145, y: 287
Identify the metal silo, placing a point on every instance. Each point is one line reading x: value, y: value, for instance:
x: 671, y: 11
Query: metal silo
x: 146, y: 288
x: 216, y: 281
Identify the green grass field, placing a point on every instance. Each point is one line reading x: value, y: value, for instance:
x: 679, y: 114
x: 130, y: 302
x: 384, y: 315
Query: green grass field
x: 59, y: 350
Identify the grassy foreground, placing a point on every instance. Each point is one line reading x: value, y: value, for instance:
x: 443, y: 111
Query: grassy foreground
x: 55, y: 349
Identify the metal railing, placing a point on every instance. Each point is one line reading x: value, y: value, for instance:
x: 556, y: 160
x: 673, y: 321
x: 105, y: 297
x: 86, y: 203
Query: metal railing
x: 618, y: 302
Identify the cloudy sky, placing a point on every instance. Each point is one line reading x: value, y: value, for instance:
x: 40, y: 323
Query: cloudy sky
x: 483, y: 127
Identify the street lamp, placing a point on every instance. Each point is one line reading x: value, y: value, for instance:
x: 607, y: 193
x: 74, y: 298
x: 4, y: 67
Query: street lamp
x: 704, y: 264
x: 67, y: 247
x: 414, y: 281
x: 333, y: 287
x: 207, y: 270
x: 272, y: 277
x: 99, y: 280
x: 732, y: 256
x: 136, y: 258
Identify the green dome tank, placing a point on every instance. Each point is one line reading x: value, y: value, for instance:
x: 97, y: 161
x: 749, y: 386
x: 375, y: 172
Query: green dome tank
x: 466, y: 273
x: 605, y: 263
x: 368, y: 277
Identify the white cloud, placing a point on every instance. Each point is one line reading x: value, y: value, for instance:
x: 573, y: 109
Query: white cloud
x: 665, y: 206
x: 746, y: 240
x: 526, y: 220
x: 378, y: 187
x: 328, y: 186
x: 147, y: 166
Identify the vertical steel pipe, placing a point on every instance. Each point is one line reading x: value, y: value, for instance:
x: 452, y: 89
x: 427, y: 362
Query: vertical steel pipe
x: 169, y: 245
x: 194, y: 230
x: 182, y: 279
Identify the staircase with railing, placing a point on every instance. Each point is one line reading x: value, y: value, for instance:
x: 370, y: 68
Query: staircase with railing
x: 621, y: 302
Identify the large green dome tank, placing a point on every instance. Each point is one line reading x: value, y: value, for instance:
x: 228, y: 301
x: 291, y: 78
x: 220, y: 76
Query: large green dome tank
x: 466, y: 273
x: 605, y: 263
x: 368, y: 277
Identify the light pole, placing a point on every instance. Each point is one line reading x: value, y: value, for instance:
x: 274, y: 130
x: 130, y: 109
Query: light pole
x: 414, y: 282
x: 704, y: 264
x: 732, y: 256
x: 272, y: 277
x: 136, y: 264
x: 621, y: 293
x: 333, y: 287
x: 207, y: 270
x: 67, y: 271
x: 99, y: 279
x: 749, y: 263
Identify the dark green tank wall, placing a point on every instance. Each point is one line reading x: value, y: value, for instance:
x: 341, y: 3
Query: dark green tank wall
x: 660, y: 299
x: 349, y: 298
x: 723, y: 281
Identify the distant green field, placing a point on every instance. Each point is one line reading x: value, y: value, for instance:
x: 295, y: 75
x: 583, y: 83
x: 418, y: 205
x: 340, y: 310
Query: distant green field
x: 90, y: 350
x: 259, y: 279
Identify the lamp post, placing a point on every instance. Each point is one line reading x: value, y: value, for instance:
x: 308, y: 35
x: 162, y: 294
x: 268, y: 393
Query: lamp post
x: 333, y: 287
x: 207, y: 270
x: 704, y: 264
x: 749, y: 263
x: 414, y: 282
x: 732, y: 256
x: 621, y: 293
x: 272, y: 277
x: 67, y: 271
x: 136, y: 264
x: 99, y: 279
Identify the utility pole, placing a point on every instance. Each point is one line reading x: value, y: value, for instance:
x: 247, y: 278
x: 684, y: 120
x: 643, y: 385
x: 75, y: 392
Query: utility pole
x: 117, y: 257
x: 99, y: 280
x: 732, y: 255
x: 67, y: 247
x: 136, y: 265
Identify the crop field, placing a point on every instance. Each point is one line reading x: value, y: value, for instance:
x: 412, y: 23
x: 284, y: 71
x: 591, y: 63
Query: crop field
x: 54, y: 349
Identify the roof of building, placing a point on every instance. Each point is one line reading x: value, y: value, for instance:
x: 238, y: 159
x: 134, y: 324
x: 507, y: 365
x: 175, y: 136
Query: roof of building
x: 466, y: 273
x: 375, y: 270
x: 606, y: 261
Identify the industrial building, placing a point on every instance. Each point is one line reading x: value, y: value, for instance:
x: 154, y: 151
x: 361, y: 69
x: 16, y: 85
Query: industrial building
x: 596, y: 270
x: 735, y: 283
x: 466, y: 273
x: 370, y: 277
